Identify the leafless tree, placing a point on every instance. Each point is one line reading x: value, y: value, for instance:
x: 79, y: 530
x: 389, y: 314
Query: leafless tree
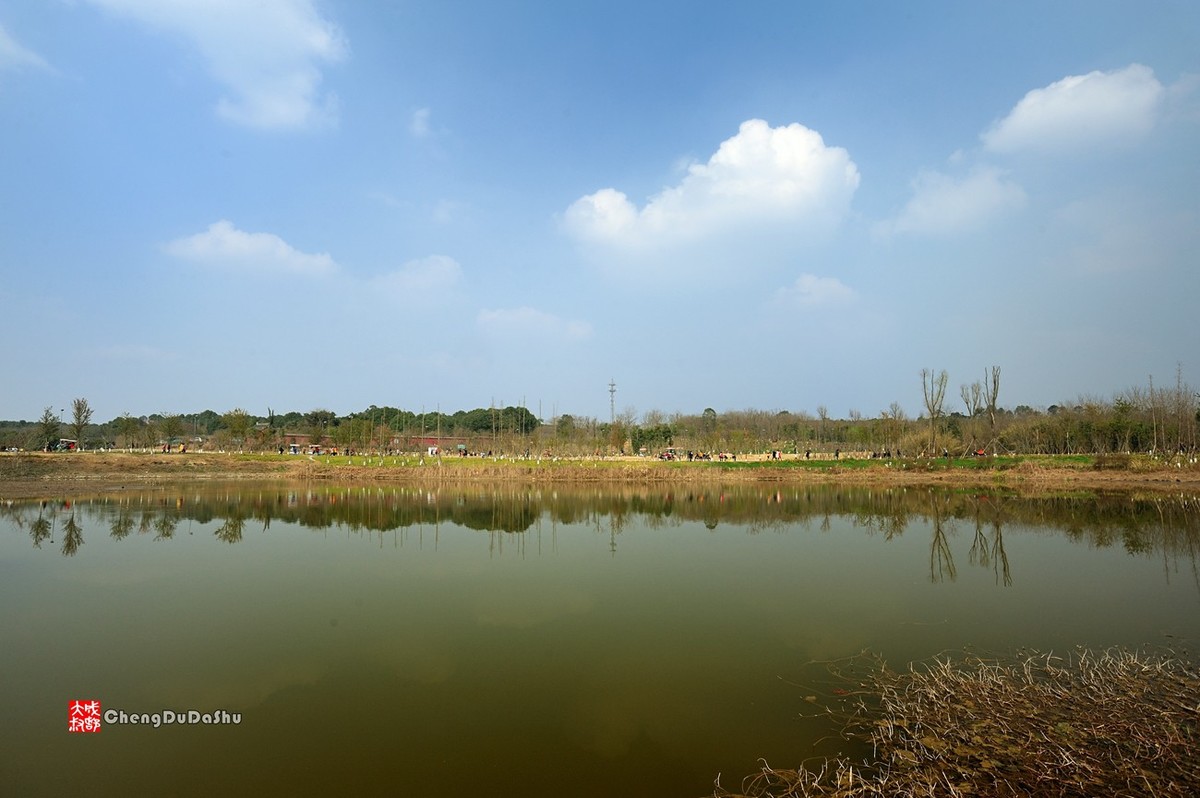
x: 934, y: 387
x: 991, y: 390
x: 972, y: 396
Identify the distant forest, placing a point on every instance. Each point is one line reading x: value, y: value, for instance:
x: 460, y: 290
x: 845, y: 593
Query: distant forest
x: 1143, y: 419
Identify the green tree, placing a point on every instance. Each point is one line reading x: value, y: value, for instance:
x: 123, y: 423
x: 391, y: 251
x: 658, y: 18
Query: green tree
x: 170, y: 427
x: 318, y: 422
x: 565, y: 426
x: 81, y: 417
x: 49, y: 428
x: 238, y: 422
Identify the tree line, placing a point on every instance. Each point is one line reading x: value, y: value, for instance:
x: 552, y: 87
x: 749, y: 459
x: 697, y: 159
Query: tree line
x: 1139, y: 419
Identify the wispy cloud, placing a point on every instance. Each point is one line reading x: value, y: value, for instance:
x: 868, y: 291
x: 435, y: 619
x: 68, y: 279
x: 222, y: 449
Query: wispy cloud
x: 944, y: 205
x: 761, y: 175
x: 1079, y: 112
x: 811, y: 291
x: 14, y: 56
x: 528, y: 322
x: 268, y: 54
x: 418, y: 125
x: 421, y: 281
x: 223, y: 246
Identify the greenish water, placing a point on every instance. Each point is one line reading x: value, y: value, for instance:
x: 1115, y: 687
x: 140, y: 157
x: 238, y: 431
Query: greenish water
x: 521, y: 642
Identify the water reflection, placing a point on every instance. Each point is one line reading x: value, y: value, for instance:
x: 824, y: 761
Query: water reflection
x: 985, y: 552
x: 941, y: 561
x: 1168, y: 524
x: 628, y: 636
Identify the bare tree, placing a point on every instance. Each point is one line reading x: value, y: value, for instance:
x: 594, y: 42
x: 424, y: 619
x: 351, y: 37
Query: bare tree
x: 991, y: 390
x: 972, y: 396
x: 934, y: 388
x: 128, y: 427
x: 896, y: 418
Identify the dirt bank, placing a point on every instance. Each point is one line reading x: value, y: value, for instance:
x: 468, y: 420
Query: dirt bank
x: 34, y: 475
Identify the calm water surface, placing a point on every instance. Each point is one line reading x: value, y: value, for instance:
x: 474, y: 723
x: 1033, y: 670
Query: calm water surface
x: 528, y: 642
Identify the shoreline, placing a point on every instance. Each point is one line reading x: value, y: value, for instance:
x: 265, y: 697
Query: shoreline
x: 40, y: 475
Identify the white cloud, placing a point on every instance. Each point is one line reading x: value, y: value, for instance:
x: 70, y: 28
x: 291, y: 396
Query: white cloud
x: 14, y: 56
x: 1099, y: 109
x: 761, y: 175
x: 810, y: 290
x: 427, y: 279
x: 224, y: 246
x: 267, y: 53
x: 944, y: 205
x: 418, y: 126
x: 528, y: 322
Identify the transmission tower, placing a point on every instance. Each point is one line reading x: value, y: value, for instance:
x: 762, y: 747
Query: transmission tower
x: 612, y: 402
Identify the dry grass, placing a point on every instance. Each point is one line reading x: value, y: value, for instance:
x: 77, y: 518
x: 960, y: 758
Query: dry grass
x: 33, y: 474
x: 1111, y: 723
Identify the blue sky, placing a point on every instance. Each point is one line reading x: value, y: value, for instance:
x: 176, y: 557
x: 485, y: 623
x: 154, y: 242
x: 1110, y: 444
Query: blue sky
x: 210, y: 204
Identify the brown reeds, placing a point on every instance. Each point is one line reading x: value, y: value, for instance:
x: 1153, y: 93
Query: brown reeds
x: 1110, y: 723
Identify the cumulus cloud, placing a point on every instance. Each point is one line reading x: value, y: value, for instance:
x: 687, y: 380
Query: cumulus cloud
x: 268, y: 54
x: 14, y: 56
x: 531, y: 323
x: 942, y: 204
x: 223, y: 246
x: 809, y: 291
x: 1099, y: 109
x: 762, y: 174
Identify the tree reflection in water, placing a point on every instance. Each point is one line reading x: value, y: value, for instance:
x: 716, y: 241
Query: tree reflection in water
x: 990, y: 510
x: 41, y: 529
x: 231, y: 530
x: 941, y: 560
x: 72, y: 536
x: 1141, y: 525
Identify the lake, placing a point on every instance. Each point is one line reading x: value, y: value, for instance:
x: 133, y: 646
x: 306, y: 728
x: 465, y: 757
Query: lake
x: 519, y: 641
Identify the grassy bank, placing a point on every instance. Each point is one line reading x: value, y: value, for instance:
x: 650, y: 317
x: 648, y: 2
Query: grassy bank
x: 32, y: 474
